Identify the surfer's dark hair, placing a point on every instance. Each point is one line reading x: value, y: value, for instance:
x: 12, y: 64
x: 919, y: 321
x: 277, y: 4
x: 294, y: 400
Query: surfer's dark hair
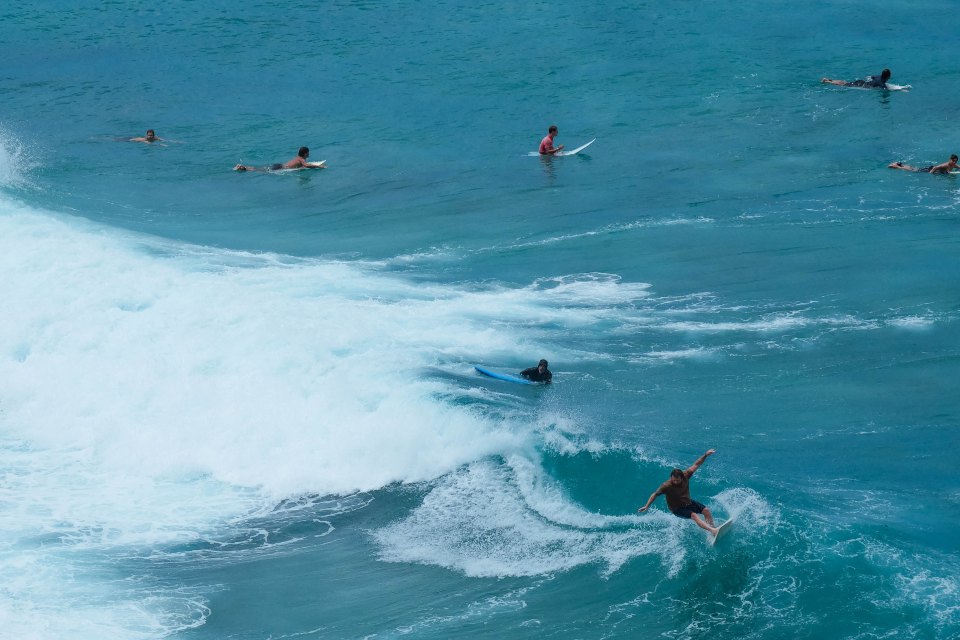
x: 542, y: 362
x: 552, y: 129
x: 884, y: 75
x: 954, y: 157
x: 304, y: 152
x: 677, y: 473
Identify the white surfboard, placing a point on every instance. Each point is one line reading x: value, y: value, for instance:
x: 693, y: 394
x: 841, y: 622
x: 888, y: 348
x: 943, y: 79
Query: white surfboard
x: 310, y: 165
x: 890, y: 87
x: 577, y: 150
x: 566, y: 153
x: 722, y: 530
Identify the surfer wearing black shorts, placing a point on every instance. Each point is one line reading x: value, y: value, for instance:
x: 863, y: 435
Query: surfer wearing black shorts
x: 299, y: 162
x: 871, y: 82
x: 677, y: 492
x: 943, y: 167
x: 539, y: 373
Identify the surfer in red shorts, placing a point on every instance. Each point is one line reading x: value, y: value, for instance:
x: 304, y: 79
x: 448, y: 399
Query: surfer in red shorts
x: 546, y: 145
x: 677, y: 492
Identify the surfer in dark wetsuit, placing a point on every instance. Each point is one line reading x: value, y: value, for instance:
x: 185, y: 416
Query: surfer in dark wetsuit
x: 539, y: 373
x: 943, y: 167
x: 677, y: 492
x: 299, y: 162
x: 871, y: 82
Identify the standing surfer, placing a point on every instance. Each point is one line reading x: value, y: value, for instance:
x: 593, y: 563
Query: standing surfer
x: 677, y: 492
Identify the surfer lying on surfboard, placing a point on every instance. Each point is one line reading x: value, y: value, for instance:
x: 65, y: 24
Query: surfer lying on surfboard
x: 871, y: 82
x: 299, y: 162
x: 539, y: 373
x: 943, y: 167
x: 677, y: 491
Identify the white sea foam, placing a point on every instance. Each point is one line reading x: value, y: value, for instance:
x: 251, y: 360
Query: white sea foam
x: 15, y: 162
x: 147, y: 400
x: 259, y: 378
x: 696, y: 353
x: 513, y: 520
x: 912, y: 322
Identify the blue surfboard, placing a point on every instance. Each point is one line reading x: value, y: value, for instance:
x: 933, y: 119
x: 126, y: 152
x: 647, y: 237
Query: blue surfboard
x: 504, y: 376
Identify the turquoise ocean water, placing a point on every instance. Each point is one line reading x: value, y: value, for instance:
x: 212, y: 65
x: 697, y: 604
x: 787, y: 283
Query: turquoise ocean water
x: 243, y: 406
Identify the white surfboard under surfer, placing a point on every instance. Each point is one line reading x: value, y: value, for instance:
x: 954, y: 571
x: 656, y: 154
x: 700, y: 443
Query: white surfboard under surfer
x: 299, y: 162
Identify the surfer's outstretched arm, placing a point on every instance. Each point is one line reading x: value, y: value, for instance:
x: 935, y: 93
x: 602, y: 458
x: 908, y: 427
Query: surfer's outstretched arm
x: 696, y: 465
x: 653, y: 496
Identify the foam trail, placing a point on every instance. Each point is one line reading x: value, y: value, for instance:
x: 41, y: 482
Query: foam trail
x: 494, y: 521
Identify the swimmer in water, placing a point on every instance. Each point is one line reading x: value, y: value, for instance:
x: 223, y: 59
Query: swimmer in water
x: 149, y: 138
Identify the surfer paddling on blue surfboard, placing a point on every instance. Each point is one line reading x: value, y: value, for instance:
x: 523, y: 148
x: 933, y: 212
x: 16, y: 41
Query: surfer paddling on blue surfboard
x: 299, y: 162
x: 677, y: 492
x: 546, y: 145
x: 539, y: 373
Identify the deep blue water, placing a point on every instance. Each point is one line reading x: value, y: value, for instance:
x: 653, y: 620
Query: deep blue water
x: 244, y: 405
